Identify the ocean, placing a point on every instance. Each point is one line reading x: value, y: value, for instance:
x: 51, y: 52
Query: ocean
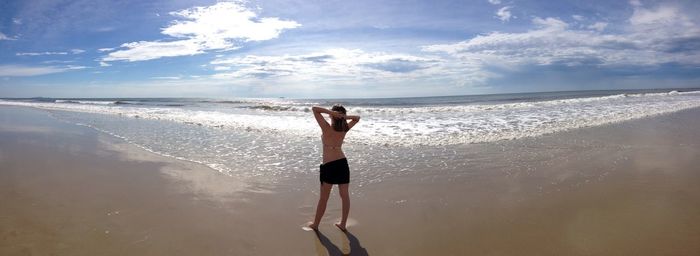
x: 268, y: 140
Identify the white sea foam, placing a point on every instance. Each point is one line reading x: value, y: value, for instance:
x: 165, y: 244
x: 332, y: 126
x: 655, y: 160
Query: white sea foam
x: 94, y: 102
x: 425, y: 125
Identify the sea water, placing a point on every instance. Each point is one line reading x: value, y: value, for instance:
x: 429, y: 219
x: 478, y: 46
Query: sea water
x: 271, y: 140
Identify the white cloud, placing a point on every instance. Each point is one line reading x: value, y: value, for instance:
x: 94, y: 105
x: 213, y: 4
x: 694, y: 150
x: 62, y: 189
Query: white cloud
x: 104, y: 29
x: 20, y: 70
x: 73, y: 51
x: 663, y: 15
x: 106, y: 49
x: 5, y: 37
x: 75, y: 67
x: 226, y: 21
x: 578, y: 17
x: 222, y: 26
x: 167, y: 77
x: 104, y: 64
x: 17, y: 21
x: 57, y: 61
x: 40, y: 53
x: 148, y: 50
x: 495, y: 2
x: 550, y: 23
x: 504, y: 13
x: 599, y: 26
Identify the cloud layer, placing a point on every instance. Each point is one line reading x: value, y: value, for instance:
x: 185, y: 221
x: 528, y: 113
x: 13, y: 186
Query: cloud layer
x: 222, y: 26
x: 328, y: 65
x: 73, y: 51
x: 653, y: 36
x: 20, y: 70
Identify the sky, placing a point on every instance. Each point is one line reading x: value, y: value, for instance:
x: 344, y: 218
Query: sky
x: 343, y: 49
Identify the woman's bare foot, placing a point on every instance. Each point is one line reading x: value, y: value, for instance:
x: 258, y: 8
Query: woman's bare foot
x: 341, y: 227
x: 312, y: 226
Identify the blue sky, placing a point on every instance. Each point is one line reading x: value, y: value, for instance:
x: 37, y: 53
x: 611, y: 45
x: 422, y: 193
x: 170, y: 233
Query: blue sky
x: 343, y: 49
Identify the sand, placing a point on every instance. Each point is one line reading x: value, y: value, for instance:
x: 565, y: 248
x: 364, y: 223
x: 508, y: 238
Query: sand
x: 621, y: 189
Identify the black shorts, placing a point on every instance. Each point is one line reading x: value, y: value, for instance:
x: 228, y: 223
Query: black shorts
x: 335, y: 172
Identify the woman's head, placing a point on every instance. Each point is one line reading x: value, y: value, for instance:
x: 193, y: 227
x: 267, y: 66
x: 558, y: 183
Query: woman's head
x: 339, y: 124
x: 338, y: 108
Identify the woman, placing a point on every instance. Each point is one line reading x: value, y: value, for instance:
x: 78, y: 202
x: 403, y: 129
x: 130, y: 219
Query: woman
x: 334, y: 169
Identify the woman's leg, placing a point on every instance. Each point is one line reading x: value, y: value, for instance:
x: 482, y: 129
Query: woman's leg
x: 322, y: 201
x: 345, y: 197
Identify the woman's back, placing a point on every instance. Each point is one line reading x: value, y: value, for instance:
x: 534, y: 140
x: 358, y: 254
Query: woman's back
x: 333, y: 134
x: 332, y: 145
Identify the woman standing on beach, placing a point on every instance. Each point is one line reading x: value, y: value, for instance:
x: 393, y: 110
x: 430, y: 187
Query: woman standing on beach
x: 334, y: 169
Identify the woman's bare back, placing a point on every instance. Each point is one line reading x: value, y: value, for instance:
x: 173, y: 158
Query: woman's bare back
x: 332, y: 145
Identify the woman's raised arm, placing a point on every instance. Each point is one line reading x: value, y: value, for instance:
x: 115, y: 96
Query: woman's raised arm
x: 353, y: 121
x: 319, y: 118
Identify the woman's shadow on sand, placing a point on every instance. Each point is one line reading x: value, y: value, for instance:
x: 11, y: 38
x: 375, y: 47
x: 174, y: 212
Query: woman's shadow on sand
x: 351, y: 245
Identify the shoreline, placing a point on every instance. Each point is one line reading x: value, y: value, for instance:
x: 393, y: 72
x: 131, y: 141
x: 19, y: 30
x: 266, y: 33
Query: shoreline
x: 623, y: 188
x: 440, y: 122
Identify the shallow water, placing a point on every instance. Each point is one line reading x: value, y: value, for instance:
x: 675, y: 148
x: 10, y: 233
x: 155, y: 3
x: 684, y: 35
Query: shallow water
x: 268, y: 141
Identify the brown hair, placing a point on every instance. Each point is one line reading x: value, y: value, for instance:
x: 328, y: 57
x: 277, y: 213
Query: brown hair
x: 340, y: 124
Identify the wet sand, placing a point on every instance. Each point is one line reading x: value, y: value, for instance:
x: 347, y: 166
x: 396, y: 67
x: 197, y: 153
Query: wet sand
x: 621, y: 189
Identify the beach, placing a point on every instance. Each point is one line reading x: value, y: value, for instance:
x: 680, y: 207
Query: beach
x: 621, y: 188
x: 481, y: 128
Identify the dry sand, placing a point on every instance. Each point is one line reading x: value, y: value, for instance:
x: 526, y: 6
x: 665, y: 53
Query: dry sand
x: 623, y: 189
